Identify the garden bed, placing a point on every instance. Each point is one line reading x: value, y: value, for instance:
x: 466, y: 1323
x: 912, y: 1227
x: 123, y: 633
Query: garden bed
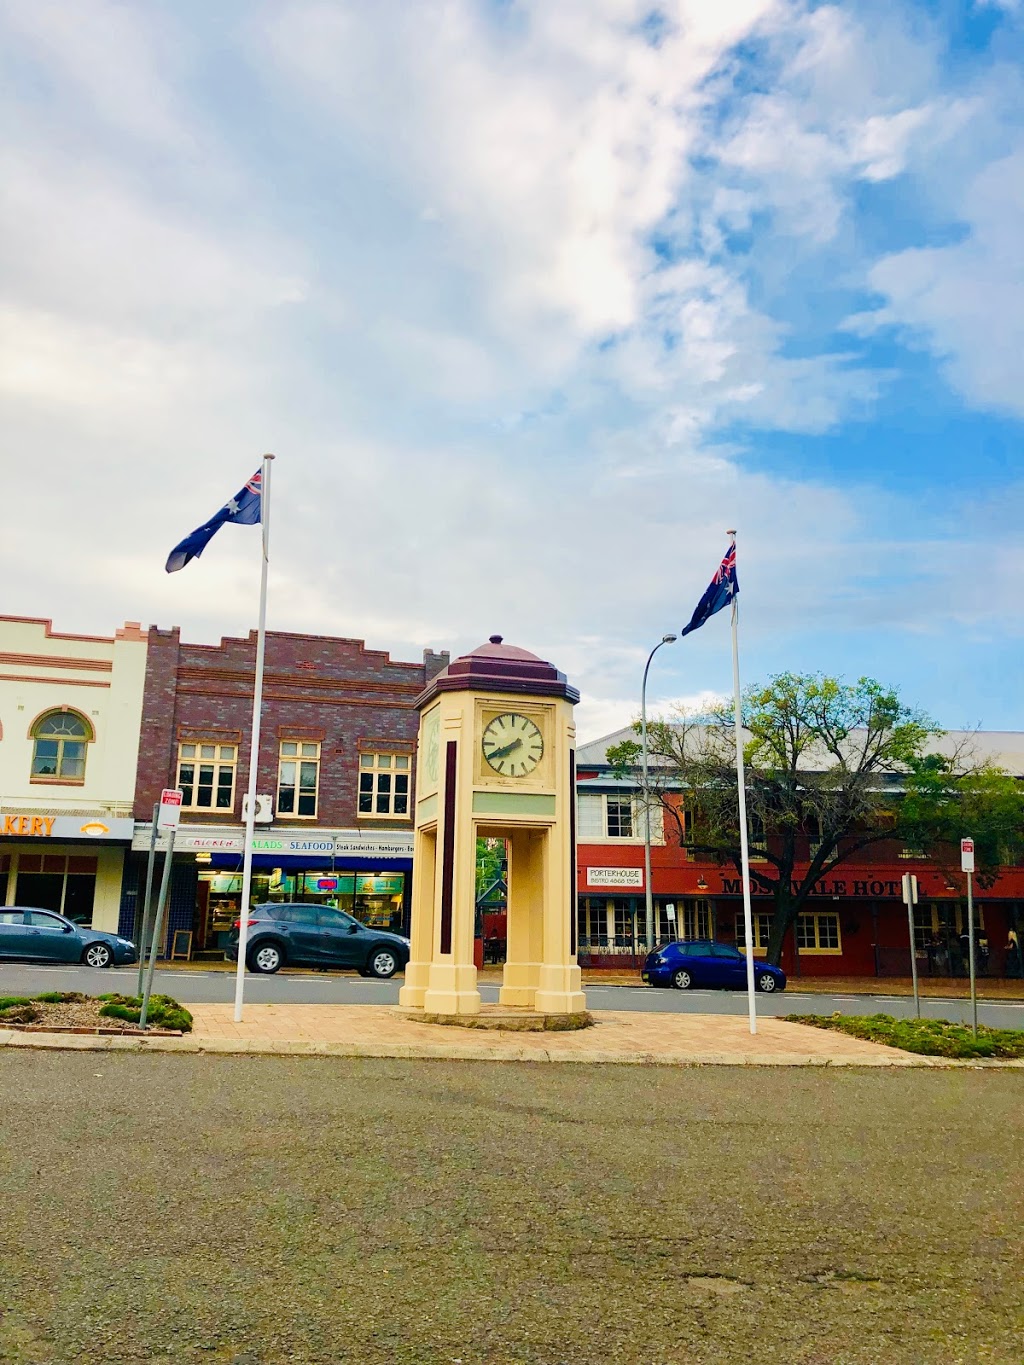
x: 73, y: 1012
x: 929, y: 1037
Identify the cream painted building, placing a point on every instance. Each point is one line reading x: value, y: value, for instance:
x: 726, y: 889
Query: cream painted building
x: 70, y: 714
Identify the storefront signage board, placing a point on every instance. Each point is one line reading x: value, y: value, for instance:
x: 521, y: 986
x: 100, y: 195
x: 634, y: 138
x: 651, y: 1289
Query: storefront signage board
x: 35, y: 826
x: 346, y: 843
x: 615, y: 876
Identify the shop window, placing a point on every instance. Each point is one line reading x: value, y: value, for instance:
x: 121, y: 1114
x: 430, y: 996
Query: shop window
x: 593, y: 922
x: 56, y: 882
x: 59, y: 747
x: 206, y: 776
x: 762, y: 925
x: 384, y: 784
x: 818, y: 934
x: 696, y: 919
x: 624, y: 912
x: 298, y: 778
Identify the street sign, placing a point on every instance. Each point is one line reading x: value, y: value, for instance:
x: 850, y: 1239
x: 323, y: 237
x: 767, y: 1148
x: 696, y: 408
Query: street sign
x: 966, y: 855
x: 170, y: 809
x: 909, y: 889
x: 670, y: 911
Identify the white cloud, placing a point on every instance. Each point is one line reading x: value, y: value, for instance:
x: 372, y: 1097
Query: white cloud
x: 966, y: 301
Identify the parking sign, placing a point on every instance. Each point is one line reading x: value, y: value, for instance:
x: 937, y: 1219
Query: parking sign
x: 966, y: 855
x: 170, y: 809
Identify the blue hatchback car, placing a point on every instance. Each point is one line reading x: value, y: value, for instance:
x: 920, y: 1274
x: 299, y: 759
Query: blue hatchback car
x: 700, y: 962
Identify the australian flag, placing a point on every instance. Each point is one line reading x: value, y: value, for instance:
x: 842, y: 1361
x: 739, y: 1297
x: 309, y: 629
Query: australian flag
x: 245, y: 509
x: 721, y: 591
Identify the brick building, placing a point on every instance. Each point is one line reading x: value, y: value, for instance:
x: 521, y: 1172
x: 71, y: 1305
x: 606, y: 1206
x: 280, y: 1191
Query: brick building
x: 336, y: 774
x: 854, y: 925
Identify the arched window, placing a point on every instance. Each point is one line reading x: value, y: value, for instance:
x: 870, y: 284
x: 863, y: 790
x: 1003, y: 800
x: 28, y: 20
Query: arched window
x: 59, y: 750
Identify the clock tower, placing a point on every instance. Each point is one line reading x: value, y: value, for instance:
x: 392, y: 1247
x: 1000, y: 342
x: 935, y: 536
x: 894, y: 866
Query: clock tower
x: 496, y: 760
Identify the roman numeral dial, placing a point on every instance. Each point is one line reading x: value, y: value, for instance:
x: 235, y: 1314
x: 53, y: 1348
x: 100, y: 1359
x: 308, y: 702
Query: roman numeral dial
x: 512, y: 745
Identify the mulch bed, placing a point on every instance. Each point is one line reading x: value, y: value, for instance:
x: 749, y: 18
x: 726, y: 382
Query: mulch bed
x: 82, y: 1017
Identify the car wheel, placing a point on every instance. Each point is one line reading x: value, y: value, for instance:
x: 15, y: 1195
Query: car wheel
x: 267, y: 958
x: 382, y: 963
x: 97, y: 955
x: 767, y: 983
x: 682, y: 980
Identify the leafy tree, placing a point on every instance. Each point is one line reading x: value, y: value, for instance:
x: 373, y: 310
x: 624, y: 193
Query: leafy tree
x: 844, y: 765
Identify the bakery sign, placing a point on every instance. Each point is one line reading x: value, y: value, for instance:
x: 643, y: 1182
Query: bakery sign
x: 615, y: 876
x: 65, y: 827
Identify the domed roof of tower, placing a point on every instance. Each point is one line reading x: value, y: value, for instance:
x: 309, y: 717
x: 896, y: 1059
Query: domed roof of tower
x: 498, y: 667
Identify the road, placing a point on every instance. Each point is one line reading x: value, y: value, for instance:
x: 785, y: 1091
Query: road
x: 161, y: 1210
x: 204, y: 987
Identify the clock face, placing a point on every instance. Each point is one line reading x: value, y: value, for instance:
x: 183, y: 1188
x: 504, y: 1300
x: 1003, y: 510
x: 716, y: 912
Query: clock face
x: 512, y: 745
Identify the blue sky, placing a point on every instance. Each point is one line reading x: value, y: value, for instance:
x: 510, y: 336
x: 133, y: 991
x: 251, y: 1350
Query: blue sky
x: 532, y: 302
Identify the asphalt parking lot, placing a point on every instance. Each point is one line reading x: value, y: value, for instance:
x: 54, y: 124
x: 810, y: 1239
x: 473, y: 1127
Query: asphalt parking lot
x: 263, y: 1210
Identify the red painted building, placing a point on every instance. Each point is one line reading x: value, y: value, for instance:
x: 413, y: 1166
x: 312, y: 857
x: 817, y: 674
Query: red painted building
x: 854, y: 925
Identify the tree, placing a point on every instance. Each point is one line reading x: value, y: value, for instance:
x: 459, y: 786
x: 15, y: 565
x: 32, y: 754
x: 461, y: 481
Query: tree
x: 841, y: 765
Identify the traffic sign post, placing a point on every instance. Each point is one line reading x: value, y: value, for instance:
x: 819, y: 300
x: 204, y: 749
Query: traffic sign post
x: 967, y: 865
x: 910, y: 898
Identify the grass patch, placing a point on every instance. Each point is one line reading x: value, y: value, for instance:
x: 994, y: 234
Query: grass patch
x: 163, y: 1012
x: 930, y: 1037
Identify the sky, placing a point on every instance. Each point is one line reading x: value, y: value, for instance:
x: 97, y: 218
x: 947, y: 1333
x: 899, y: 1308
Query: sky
x: 532, y: 302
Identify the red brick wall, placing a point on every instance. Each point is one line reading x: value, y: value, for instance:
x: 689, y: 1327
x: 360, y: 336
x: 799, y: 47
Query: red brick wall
x: 335, y: 691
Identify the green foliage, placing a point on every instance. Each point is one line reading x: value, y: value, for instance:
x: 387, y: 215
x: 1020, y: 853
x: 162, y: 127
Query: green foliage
x: 23, y: 1013
x: 10, y: 1001
x: 930, y: 1037
x: 61, y: 997
x: 164, y: 1012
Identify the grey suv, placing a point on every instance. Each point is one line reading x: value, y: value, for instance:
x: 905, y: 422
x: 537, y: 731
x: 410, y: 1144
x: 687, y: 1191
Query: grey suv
x: 302, y: 935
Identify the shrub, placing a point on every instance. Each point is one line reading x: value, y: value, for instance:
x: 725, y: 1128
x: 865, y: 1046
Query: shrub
x: 8, y: 1001
x: 25, y: 1013
x: 61, y: 998
x: 164, y: 1012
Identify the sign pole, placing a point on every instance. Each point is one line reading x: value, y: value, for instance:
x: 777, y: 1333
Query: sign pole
x: 967, y: 865
x: 158, y: 927
x: 254, y: 744
x: 910, y: 896
x: 141, y: 925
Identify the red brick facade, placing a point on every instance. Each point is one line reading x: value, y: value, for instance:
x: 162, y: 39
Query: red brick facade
x: 334, y: 691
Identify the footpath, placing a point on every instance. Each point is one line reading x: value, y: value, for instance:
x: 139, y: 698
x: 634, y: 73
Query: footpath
x: 944, y: 987
x: 617, y: 1036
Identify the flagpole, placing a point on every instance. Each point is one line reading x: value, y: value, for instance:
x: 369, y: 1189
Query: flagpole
x: 254, y: 749
x: 741, y: 791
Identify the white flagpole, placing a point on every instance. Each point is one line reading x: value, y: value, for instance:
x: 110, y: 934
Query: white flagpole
x: 254, y: 751
x: 741, y: 789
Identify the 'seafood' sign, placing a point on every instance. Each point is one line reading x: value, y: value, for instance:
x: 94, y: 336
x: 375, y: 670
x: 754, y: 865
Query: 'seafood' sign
x: 615, y: 876
x: 170, y: 809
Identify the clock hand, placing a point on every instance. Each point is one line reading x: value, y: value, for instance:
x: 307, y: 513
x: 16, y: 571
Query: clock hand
x: 501, y: 753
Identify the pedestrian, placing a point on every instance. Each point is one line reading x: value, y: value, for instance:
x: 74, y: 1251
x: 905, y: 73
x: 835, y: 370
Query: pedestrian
x: 1014, y: 962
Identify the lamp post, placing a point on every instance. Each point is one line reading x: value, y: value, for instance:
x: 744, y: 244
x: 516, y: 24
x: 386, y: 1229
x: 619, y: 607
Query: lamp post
x: 649, y: 899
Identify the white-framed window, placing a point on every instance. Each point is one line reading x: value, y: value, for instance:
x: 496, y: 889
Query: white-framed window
x: 298, y: 778
x: 818, y: 933
x: 206, y: 775
x: 616, y: 815
x: 60, y: 743
x: 384, y: 785
x: 762, y: 929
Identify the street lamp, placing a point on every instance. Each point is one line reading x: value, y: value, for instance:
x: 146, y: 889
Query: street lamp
x: 665, y: 640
